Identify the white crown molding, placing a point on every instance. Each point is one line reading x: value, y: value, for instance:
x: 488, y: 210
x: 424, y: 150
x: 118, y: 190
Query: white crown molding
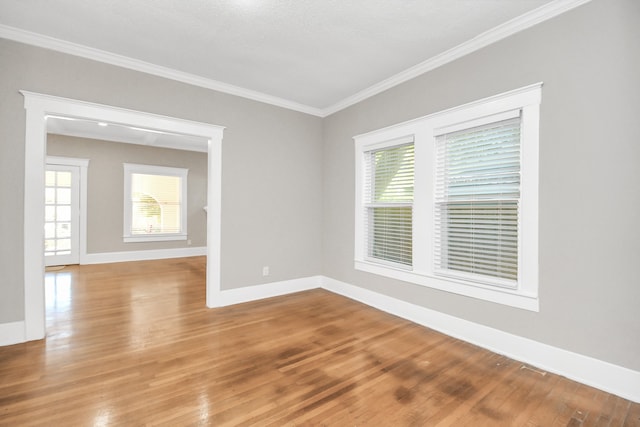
x: 75, y: 49
x: 520, y: 23
x: 493, y: 35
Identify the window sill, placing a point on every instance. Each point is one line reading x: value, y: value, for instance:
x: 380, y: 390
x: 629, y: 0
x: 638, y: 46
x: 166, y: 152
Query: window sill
x: 154, y: 238
x: 504, y: 296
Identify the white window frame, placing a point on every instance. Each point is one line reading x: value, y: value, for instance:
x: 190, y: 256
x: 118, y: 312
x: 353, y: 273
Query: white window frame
x: 132, y: 168
x: 424, y: 131
x: 369, y: 203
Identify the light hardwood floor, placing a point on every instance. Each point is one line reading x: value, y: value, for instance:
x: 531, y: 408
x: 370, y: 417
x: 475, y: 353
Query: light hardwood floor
x: 133, y: 344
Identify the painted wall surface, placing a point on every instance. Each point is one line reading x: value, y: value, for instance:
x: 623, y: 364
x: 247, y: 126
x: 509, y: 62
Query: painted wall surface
x: 271, y: 167
x: 288, y: 178
x: 589, y: 61
x: 105, y: 188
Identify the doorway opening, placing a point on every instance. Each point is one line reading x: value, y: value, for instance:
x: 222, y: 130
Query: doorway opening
x: 38, y: 108
x: 65, y: 199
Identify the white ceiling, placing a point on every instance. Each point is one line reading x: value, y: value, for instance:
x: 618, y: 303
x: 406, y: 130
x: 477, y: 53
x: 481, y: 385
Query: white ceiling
x: 315, y: 56
x: 127, y: 134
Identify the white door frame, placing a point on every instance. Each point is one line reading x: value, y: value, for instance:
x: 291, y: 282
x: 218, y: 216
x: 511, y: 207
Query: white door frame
x: 82, y: 165
x: 38, y: 107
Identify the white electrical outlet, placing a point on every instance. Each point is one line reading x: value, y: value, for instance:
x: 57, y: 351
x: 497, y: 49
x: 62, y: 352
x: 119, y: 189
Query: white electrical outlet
x: 189, y: 242
x: 265, y: 270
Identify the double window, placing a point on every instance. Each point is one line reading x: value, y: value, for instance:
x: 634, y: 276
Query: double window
x: 155, y: 207
x: 450, y: 200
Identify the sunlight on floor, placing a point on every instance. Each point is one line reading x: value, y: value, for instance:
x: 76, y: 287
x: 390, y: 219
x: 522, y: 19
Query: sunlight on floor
x: 57, y: 288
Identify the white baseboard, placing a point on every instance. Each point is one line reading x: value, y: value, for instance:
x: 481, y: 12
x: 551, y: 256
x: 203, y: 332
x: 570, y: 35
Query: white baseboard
x: 267, y: 290
x: 12, y: 333
x: 605, y: 376
x: 611, y: 378
x: 108, y: 257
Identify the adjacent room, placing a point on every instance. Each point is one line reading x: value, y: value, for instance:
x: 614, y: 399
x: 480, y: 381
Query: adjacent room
x: 367, y: 213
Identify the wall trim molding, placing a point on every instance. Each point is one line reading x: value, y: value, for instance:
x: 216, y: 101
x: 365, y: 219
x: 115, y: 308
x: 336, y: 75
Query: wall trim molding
x: 82, y: 165
x: 38, y: 107
x: 12, y: 333
x: 618, y: 380
x: 267, y: 290
x: 520, y: 23
x: 151, y: 254
x: 46, y: 42
x: 596, y: 373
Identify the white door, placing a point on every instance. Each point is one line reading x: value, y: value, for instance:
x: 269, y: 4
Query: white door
x: 62, y: 215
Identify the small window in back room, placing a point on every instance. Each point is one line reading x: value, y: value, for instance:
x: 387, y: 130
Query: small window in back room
x: 155, y: 203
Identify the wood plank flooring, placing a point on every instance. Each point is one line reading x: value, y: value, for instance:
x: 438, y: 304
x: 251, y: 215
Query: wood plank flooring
x: 133, y: 344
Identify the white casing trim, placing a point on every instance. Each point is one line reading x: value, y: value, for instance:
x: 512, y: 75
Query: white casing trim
x: 38, y: 107
x: 83, y: 165
x: 12, y: 333
x: 493, y: 35
x: 169, y: 171
x: 605, y: 376
x: 524, y: 101
x: 151, y: 254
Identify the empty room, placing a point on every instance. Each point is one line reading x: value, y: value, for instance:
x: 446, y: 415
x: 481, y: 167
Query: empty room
x: 358, y: 213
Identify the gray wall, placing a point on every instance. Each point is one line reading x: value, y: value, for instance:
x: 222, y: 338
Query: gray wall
x: 271, y: 167
x: 105, y: 189
x: 589, y: 61
x: 288, y: 178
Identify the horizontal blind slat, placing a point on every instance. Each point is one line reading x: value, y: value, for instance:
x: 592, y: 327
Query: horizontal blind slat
x: 156, y: 204
x: 388, y: 195
x: 477, y: 193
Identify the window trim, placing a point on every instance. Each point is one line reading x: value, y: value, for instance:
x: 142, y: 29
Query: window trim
x: 132, y: 168
x: 424, y: 131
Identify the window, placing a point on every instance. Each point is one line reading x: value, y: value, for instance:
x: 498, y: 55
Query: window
x: 476, y: 202
x: 389, y: 200
x: 155, y: 207
x: 450, y: 200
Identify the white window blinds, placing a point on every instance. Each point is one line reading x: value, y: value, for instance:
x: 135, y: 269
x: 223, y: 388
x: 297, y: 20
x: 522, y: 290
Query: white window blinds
x: 388, y: 195
x: 477, y: 202
x: 156, y: 204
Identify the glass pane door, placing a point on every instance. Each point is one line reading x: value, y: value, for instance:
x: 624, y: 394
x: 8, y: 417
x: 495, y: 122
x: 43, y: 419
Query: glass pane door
x: 61, y: 215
